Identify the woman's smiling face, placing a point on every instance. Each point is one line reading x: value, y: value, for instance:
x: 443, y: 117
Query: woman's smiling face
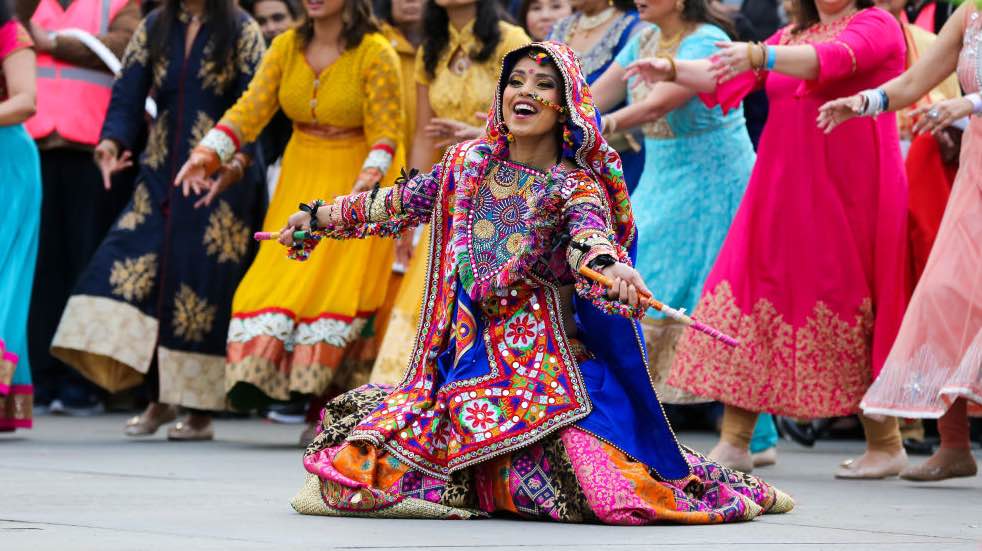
x: 524, y: 115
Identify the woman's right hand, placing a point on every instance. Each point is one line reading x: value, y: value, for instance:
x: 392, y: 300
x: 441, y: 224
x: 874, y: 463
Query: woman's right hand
x: 650, y: 69
x: 838, y: 111
x: 298, y: 221
x: 110, y: 161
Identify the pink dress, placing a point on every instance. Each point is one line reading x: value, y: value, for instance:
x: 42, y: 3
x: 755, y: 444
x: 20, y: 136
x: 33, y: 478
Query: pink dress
x: 938, y: 354
x: 810, y: 277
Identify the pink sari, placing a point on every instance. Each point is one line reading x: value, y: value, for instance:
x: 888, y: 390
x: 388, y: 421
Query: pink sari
x: 810, y: 278
x: 937, y: 357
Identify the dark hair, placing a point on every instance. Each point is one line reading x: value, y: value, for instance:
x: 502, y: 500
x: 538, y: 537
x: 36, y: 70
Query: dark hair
x: 222, y: 16
x: 807, y: 14
x: 357, y: 20
x: 5, y: 14
x: 436, y: 30
x: 706, y: 11
x: 383, y: 11
x: 292, y: 6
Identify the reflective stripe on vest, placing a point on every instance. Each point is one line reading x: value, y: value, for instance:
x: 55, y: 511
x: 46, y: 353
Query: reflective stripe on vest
x: 72, y: 100
x: 99, y: 78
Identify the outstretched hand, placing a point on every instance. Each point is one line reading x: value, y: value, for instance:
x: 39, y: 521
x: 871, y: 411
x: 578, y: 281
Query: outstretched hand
x: 838, y: 111
x: 628, y: 286
x: 936, y: 117
x: 650, y: 69
x: 110, y: 161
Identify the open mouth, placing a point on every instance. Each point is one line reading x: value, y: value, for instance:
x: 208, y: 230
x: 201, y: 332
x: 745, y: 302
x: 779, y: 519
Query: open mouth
x: 524, y: 108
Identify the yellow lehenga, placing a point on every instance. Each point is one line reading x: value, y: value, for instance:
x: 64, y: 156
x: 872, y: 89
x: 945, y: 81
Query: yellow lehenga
x: 452, y: 95
x: 293, y: 325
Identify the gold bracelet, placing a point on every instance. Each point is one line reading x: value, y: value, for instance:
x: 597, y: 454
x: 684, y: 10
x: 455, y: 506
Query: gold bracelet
x: 675, y: 71
x: 750, y: 55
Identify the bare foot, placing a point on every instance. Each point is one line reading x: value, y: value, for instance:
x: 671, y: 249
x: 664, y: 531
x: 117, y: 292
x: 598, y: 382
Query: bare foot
x: 732, y: 457
x: 873, y: 465
x: 945, y: 463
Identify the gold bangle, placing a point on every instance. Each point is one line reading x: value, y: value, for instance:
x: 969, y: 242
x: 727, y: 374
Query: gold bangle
x: 671, y: 61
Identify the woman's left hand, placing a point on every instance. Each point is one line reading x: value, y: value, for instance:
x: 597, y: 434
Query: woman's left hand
x: 835, y: 112
x: 729, y: 61
x: 936, y: 117
x: 628, y: 287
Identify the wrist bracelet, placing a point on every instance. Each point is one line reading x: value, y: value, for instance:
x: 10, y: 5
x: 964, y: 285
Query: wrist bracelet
x: 976, y: 101
x: 771, y: 57
x: 874, y: 102
x: 221, y: 143
x: 671, y: 61
x: 379, y: 157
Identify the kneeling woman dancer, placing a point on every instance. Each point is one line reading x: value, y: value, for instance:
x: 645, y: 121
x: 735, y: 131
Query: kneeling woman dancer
x: 527, y: 391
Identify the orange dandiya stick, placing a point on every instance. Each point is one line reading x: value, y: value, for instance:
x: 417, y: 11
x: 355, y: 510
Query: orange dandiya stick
x: 652, y: 302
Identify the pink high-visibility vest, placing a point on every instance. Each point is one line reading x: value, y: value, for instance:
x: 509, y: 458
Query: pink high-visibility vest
x: 72, y: 100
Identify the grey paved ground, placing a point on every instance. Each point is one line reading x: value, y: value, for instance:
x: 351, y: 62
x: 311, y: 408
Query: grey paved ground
x: 77, y: 484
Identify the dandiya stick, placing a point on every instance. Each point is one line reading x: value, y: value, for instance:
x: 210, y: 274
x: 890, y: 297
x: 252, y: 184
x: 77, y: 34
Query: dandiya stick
x: 670, y: 312
x: 272, y: 236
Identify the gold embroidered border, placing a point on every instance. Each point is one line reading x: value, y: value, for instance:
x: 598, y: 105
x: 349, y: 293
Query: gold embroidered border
x: 192, y: 380
x: 108, y: 341
x: 820, y: 368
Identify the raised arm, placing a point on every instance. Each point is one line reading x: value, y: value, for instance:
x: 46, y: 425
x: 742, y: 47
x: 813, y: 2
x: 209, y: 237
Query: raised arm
x: 931, y: 69
x: 610, y: 89
x: 18, y: 63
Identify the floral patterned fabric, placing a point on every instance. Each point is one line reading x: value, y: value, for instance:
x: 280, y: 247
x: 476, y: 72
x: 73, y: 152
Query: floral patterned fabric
x: 166, y: 272
x: 570, y: 476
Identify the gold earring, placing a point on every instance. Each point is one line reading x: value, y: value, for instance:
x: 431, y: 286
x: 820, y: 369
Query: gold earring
x: 679, y: 5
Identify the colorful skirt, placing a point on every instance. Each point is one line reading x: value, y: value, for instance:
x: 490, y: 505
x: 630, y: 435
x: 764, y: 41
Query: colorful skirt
x: 569, y: 476
x: 937, y: 357
x: 294, y: 324
x: 20, y: 195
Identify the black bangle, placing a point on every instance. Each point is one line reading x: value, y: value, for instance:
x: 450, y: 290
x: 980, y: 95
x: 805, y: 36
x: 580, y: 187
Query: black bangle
x: 312, y: 210
x: 601, y: 262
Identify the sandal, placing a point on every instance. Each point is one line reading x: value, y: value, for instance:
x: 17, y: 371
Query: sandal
x: 147, y: 425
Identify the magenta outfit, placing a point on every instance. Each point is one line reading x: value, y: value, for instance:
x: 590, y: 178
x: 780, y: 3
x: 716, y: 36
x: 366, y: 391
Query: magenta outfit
x: 810, y: 277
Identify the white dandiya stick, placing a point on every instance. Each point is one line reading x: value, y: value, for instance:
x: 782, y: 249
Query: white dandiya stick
x: 669, y: 312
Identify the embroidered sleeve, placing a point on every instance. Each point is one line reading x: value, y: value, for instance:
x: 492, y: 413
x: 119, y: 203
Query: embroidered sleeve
x: 383, y: 96
x: 260, y: 99
x: 588, y: 225
x: 591, y: 236
x: 124, y: 120
x: 869, y: 41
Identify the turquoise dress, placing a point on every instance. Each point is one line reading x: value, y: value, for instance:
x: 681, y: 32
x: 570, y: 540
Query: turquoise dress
x: 20, y: 195
x: 697, y: 164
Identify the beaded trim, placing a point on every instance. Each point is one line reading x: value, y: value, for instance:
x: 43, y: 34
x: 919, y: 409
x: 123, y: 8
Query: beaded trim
x: 221, y: 143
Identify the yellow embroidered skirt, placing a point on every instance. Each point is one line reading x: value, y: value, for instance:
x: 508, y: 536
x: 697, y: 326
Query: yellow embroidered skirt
x: 293, y: 324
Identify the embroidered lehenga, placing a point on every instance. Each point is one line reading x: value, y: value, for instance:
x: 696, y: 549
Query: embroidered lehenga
x: 522, y: 395
x: 284, y: 339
